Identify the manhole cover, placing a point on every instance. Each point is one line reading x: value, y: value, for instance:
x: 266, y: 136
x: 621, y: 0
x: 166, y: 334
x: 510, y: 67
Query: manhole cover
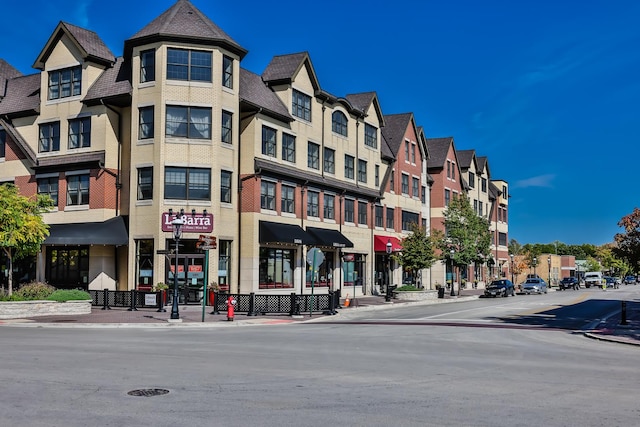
x: 148, y: 392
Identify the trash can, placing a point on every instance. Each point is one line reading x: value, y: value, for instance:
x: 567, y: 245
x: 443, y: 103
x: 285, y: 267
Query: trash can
x: 441, y: 292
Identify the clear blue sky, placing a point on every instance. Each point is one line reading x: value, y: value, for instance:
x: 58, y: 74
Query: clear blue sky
x: 548, y: 90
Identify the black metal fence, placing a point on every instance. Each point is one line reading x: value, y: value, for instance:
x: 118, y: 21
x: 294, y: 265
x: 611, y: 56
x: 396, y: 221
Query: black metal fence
x: 251, y: 304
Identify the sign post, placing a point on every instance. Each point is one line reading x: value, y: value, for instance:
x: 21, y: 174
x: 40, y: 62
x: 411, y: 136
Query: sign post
x: 315, y: 258
x: 205, y: 243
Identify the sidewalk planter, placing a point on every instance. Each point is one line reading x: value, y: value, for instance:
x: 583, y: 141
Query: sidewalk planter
x: 22, y: 309
x: 416, y: 295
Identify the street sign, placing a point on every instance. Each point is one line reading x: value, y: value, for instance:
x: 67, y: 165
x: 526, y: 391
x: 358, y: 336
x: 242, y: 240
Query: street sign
x: 207, y: 240
x: 315, y: 258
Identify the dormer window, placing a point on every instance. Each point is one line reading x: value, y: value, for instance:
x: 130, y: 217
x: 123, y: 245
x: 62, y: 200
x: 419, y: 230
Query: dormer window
x: 370, y: 136
x: 339, y: 123
x: 190, y: 65
x: 65, y: 83
x: 301, y: 105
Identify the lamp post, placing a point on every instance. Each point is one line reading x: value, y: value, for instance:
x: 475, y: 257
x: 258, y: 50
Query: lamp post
x: 388, y: 248
x: 452, y: 253
x: 549, y: 262
x: 177, y: 224
x: 535, y: 262
x: 511, y: 268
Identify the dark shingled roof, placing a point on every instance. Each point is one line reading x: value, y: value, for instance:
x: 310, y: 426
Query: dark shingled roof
x: 482, y: 164
x: 23, y: 95
x: 7, y: 72
x: 361, y: 101
x: 255, y: 94
x: 438, y: 149
x: 183, y: 21
x: 283, y: 68
x: 395, y: 127
x: 465, y: 157
x: 88, y: 42
x: 113, y: 84
x: 19, y: 140
x: 385, y: 149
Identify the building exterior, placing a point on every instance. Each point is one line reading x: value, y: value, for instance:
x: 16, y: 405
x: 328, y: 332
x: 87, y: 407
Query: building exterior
x: 270, y: 165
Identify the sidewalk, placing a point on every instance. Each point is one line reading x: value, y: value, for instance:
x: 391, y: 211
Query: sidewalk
x: 611, y: 329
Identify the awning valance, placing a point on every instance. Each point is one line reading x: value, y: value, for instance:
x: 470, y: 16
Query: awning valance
x: 111, y: 232
x: 380, y: 243
x: 275, y: 232
x: 328, y: 237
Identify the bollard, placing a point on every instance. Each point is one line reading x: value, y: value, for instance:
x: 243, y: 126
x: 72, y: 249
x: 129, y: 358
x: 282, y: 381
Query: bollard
x: 132, y: 306
x: 252, y: 304
x: 623, y: 313
x: 161, y: 295
x: 105, y: 302
x: 214, y: 302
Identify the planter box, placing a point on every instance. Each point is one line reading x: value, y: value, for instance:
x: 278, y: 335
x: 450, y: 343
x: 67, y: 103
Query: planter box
x: 416, y: 295
x: 22, y: 309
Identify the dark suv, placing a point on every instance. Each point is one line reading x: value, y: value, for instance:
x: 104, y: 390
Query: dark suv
x: 569, y: 283
x: 500, y: 287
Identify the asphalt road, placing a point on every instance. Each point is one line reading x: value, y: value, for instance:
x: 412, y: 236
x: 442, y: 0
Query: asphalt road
x: 404, y: 370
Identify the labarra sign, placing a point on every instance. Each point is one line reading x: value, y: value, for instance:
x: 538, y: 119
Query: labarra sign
x: 198, y: 223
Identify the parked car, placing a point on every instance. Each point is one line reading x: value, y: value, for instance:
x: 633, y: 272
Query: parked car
x: 534, y: 286
x: 569, y: 283
x: 592, y: 278
x: 630, y: 280
x: 503, y: 288
x: 611, y: 282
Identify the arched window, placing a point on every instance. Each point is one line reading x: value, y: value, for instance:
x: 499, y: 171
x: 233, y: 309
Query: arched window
x: 339, y: 123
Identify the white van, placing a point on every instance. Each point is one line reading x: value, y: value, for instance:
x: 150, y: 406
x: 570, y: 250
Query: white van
x: 592, y: 278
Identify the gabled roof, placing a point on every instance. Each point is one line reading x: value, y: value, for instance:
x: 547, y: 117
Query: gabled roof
x: 91, y: 47
x: 256, y: 95
x: 483, y: 163
x: 438, y: 149
x: 423, y: 141
x: 283, y: 69
x: 7, y: 72
x: 362, y: 102
x: 20, y: 142
x: 394, y: 130
x: 22, y: 96
x: 467, y: 158
x: 113, y: 85
x: 184, y: 22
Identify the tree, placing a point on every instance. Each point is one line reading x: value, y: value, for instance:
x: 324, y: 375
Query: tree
x: 418, y: 251
x: 628, y: 243
x: 22, y: 230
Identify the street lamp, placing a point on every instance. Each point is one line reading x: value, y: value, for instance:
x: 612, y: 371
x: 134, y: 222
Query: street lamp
x: 177, y: 224
x: 452, y: 252
x: 388, y: 248
x: 549, y: 262
x: 511, y: 268
x: 535, y: 262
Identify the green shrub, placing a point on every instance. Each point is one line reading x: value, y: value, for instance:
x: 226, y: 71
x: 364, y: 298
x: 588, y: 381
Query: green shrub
x: 407, y: 288
x: 62, y: 295
x: 33, y: 291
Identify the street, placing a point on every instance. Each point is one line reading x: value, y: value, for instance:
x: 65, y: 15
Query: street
x: 516, y: 361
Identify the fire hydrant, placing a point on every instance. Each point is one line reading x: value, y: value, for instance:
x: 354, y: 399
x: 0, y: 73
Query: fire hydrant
x: 231, y: 303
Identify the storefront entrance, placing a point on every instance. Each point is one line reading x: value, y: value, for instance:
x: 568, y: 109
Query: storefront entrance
x: 190, y: 273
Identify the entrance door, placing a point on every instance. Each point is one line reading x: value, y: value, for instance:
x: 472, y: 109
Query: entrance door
x: 190, y: 277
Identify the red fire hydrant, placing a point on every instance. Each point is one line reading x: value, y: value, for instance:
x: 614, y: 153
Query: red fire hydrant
x: 231, y: 303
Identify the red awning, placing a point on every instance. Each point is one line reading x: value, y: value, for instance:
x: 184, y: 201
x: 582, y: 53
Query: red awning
x: 380, y: 243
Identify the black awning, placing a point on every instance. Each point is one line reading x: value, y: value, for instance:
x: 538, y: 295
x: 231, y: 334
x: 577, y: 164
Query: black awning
x: 275, y: 232
x: 327, y: 237
x: 111, y: 232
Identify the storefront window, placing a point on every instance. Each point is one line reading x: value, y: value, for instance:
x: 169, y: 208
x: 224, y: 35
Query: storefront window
x: 276, y: 268
x: 324, y: 276
x: 67, y: 267
x: 144, y: 264
x: 224, y: 264
x: 353, y: 269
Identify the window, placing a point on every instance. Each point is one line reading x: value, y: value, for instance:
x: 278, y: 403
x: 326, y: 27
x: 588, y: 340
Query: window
x: 370, y: 136
x: 376, y: 175
x: 194, y: 65
x: 67, y: 267
x: 415, y: 187
x: 288, y: 147
x: 406, y: 151
x: 301, y: 105
x: 405, y: 184
x: 313, y: 204
x: 504, y: 215
x: 65, y: 83
x: 448, y: 168
x: 505, y: 194
x: 329, y: 206
x: 472, y: 179
x: 362, y: 213
x: 379, y: 219
x: 276, y: 268
x: 453, y: 171
x: 187, y: 183
x: 227, y: 72
x: 475, y: 206
x: 78, y: 190
x: 392, y: 181
x: 268, y: 141
x: 145, y: 127
x: 288, y: 199
x: 225, y: 187
x: 480, y: 207
x: 390, y: 214
x: 224, y: 264
x: 362, y: 170
x: 80, y: 133
x: 313, y: 155
x: 348, y: 166
x: 49, y: 137
x: 268, y: 195
x: 413, y: 153
x: 145, y: 183
x: 147, y: 65
x: 227, y: 127
x: 3, y: 142
x: 329, y: 160
x: 484, y: 185
x: 348, y: 210
x: 339, y: 123
x: 447, y: 197
x: 409, y: 218
x: 423, y: 198
x: 144, y: 262
x: 49, y: 187
x: 502, y: 239
x: 188, y: 122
